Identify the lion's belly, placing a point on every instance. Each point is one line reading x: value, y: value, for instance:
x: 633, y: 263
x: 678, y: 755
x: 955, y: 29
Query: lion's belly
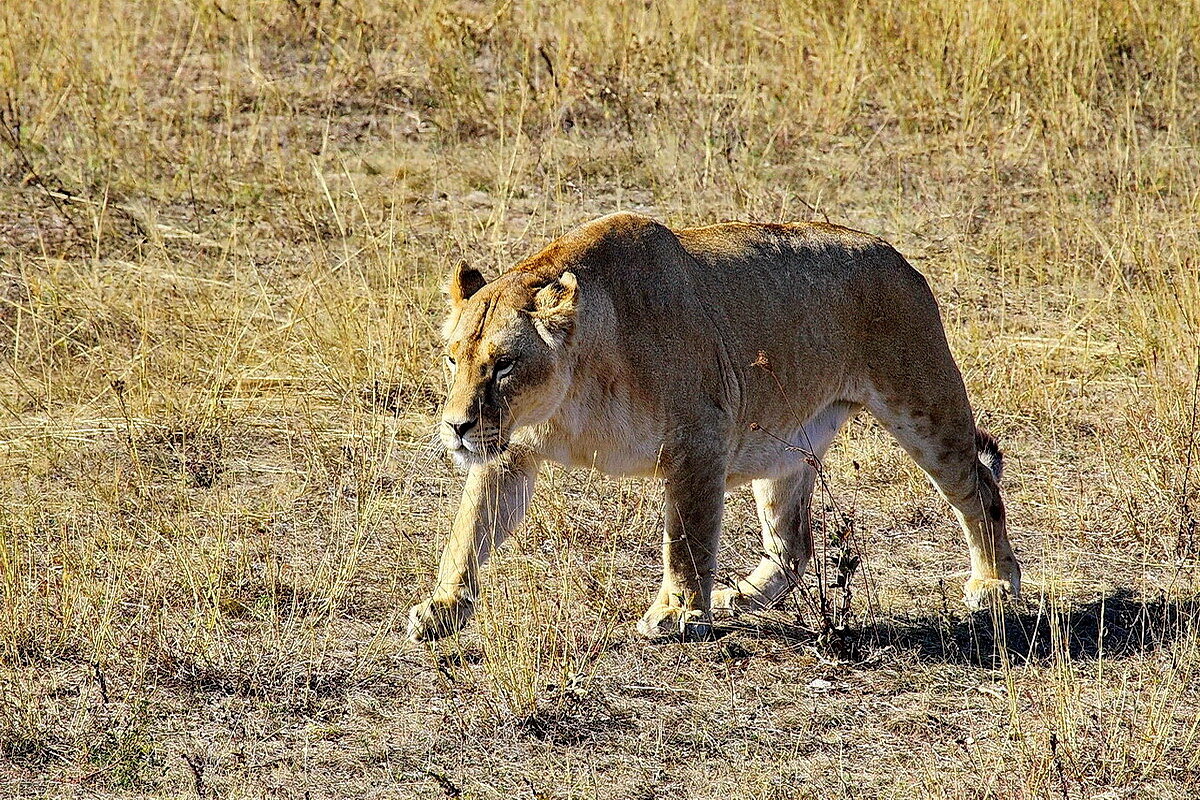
x: 774, y: 451
x: 751, y: 463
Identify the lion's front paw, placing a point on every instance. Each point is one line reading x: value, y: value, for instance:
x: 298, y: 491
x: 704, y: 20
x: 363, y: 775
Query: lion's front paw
x: 437, y: 618
x: 675, y: 622
x: 981, y: 593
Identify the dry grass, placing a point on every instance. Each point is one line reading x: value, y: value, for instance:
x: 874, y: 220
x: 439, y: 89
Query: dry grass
x: 223, y: 225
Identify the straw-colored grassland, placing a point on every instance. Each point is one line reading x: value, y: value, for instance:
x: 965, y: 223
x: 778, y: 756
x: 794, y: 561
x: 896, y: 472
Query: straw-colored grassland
x: 223, y: 227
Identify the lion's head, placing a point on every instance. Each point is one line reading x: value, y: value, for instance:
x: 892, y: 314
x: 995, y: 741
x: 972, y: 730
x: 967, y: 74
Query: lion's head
x: 508, y: 344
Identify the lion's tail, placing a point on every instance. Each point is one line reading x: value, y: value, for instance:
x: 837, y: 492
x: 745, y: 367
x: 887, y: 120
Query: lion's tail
x: 989, y: 452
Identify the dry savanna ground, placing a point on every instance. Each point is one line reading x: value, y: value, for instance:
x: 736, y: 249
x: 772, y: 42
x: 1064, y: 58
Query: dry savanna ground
x: 223, y: 224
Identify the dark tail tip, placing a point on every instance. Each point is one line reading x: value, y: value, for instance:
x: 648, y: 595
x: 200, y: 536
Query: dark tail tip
x: 989, y: 452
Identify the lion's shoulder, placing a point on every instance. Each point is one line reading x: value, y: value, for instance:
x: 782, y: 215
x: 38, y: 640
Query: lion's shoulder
x: 614, y: 242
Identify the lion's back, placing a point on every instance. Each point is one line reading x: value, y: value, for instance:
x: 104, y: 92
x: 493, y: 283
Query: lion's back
x: 798, y: 251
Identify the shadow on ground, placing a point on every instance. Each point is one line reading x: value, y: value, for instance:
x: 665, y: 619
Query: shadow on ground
x: 1118, y: 625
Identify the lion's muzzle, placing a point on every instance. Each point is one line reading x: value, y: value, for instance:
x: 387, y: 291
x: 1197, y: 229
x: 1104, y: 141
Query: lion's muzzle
x: 468, y: 442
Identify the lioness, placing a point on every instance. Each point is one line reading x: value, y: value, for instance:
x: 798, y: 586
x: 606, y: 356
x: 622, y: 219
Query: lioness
x: 709, y: 357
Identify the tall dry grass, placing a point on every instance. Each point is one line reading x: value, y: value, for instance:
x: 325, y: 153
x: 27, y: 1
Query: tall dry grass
x: 223, y: 226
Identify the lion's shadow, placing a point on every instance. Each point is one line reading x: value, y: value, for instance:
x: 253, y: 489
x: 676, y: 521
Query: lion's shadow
x: 1118, y: 625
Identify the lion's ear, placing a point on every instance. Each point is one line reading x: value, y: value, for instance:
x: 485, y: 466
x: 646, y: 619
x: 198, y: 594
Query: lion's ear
x: 464, y: 282
x: 554, y: 309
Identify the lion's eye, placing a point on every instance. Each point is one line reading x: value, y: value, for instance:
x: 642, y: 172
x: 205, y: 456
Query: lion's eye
x: 503, y: 367
x: 450, y: 362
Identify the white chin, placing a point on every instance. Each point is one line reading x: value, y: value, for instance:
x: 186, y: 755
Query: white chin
x: 465, y: 459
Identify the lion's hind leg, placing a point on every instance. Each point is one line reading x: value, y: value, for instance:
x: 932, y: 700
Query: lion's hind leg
x: 785, y: 513
x: 942, y: 438
x: 783, y: 510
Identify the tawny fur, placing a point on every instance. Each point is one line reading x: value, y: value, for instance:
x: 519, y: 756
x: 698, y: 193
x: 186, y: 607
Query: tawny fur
x: 708, y: 357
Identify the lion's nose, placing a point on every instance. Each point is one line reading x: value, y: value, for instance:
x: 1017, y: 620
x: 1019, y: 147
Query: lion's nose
x: 461, y: 428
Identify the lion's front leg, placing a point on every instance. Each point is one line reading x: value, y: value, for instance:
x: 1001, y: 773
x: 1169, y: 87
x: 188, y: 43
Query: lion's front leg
x: 695, y: 501
x: 493, y: 504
